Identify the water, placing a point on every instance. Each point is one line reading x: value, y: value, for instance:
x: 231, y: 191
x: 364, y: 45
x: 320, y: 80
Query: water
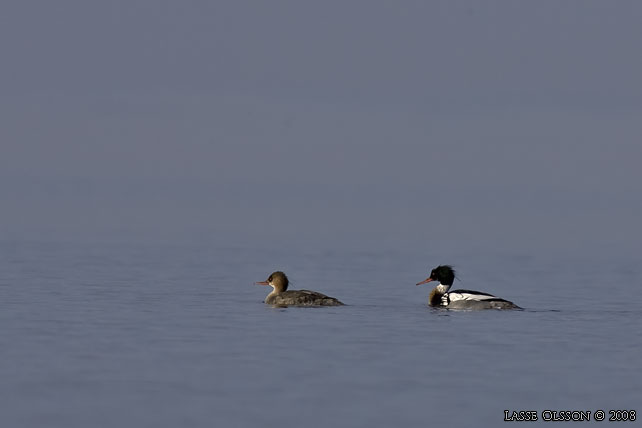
x: 143, y: 335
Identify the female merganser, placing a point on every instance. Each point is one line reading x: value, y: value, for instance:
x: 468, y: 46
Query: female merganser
x: 280, y: 296
x: 460, y: 299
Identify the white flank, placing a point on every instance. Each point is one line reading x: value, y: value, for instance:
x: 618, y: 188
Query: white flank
x: 466, y: 296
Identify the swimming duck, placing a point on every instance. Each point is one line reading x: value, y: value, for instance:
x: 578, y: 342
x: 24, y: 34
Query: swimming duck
x: 281, y: 296
x: 441, y: 297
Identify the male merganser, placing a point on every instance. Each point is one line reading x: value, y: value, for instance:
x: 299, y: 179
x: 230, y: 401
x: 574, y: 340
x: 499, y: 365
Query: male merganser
x: 460, y: 299
x: 280, y: 296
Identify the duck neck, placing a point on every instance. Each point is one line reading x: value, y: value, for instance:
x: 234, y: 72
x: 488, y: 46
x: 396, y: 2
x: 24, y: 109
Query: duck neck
x: 270, y: 297
x: 275, y: 291
x: 437, y: 293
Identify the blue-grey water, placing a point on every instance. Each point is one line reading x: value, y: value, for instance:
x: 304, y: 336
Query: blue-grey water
x: 142, y: 335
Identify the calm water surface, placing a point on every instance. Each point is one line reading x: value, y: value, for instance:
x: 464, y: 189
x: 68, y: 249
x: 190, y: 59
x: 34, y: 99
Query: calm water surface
x: 141, y: 335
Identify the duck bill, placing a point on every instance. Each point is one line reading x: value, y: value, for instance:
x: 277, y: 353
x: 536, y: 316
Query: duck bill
x: 425, y: 281
x: 262, y: 283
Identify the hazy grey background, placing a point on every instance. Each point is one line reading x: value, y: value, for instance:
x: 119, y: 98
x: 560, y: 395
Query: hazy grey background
x: 512, y: 126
